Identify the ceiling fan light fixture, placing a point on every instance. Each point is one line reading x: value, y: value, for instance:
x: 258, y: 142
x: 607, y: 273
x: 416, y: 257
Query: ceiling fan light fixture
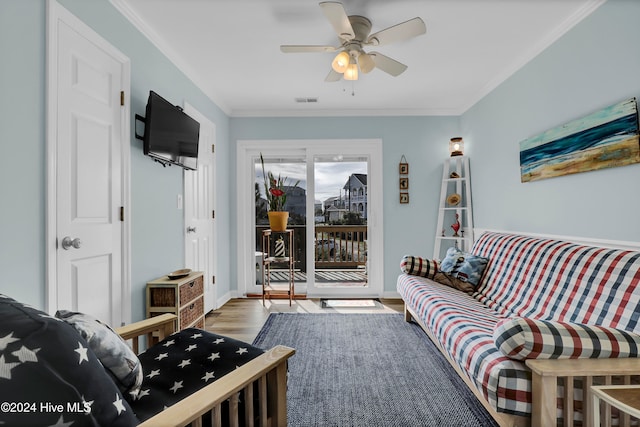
x: 352, y: 72
x: 365, y: 61
x: 340, y: 62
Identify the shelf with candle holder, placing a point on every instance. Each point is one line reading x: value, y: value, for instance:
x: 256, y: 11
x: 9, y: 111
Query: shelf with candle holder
x: 455, y: 216
x: 277, y: 260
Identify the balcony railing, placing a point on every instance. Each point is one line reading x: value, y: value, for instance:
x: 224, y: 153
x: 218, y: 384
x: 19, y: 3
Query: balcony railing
x: 335, y: 246
x: 340, y: 246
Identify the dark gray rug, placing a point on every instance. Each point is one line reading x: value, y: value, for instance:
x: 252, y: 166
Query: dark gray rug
x: 368, y: 370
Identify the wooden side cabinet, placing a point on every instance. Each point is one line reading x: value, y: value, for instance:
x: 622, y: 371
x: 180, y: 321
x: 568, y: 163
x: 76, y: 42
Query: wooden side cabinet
x: 183, y: 297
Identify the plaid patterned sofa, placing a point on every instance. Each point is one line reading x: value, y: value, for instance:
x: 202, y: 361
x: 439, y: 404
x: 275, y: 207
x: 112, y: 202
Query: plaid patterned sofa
x: 536, y: 296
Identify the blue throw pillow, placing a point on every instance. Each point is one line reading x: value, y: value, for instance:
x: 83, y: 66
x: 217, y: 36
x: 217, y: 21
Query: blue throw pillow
x: 463, y: 266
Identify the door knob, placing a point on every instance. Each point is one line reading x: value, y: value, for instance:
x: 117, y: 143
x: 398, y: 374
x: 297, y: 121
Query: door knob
x: 191, y: 229
x: 68, y: 243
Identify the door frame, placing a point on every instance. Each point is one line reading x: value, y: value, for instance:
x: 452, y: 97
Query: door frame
x: 56, y: 13
x: 246, y: 149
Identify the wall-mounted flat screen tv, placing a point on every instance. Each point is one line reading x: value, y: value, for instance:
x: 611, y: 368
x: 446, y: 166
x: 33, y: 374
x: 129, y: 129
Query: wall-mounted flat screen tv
x: 170, y: 135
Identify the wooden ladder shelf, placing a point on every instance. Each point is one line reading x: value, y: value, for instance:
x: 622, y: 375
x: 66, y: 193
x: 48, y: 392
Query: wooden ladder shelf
x: 455, y: 181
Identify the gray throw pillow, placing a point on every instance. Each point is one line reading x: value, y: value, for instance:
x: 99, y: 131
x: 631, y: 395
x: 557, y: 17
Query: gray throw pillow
x: 114, y: 353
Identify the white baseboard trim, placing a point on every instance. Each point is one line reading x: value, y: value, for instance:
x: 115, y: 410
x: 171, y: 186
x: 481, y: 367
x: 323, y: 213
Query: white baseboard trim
x: 391, y: 295
x: 614, y: 244
x: 225, y: 298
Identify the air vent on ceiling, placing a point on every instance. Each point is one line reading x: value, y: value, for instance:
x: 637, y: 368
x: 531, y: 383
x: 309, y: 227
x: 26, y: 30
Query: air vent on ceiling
x: 306, y: 100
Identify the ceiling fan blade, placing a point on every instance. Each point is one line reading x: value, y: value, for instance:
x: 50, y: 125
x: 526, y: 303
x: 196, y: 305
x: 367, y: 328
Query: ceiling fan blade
x: 335, y: 13
x: 366, y: 62
x: 289, y: 48
x: 333, y: 76
x: 388, y: 65
x: 403, y: 31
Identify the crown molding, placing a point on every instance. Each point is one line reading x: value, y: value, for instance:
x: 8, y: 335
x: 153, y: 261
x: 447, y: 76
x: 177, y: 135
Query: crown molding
x: 519, y: 62
x: 571, y: 21
x: 346, y: 113
x: 160, y: 43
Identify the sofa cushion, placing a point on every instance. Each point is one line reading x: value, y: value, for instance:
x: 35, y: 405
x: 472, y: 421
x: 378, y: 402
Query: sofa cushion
x: 521, y: 338
x: 418, y: 266
x: 45, y: 363
x: 552, y: 279
x: 182, y: 364
x: 113, y: 352
x: 463, y: 266
x: 463, y: 328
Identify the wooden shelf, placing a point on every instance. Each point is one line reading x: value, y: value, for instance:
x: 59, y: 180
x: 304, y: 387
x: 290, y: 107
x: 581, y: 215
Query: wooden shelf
x: 269, y: 289
x: 447, y: 213
x: 276, y: 260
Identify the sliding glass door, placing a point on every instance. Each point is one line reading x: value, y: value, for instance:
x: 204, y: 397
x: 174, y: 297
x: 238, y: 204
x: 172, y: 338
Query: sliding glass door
x: 290, y: 172
x: 335, y: 212
x: 340, y: 223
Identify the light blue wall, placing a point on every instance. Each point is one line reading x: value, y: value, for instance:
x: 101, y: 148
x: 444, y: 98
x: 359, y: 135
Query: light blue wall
x: 594, y: 65
x: 22, y: 175
x: 157, y: 234
x: 408, y: 228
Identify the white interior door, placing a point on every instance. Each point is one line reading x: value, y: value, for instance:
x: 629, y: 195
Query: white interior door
x: 87, y: 143
x: 199, y: 211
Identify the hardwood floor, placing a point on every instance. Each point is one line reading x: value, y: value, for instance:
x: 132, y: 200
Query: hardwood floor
x: 242, y: 318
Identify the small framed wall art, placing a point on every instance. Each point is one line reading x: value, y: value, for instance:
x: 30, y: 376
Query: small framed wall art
x: 404, y: 167
x: 403, y: 170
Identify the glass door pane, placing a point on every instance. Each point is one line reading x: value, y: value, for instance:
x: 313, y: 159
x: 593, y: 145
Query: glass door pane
x: 340, y: 224
x: 292, y: 174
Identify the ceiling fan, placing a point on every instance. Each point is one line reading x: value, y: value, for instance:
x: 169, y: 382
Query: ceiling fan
x: 353, y: 32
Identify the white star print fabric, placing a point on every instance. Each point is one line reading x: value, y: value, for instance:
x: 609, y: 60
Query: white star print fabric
x: 49, y: 376
x: 184, y: 363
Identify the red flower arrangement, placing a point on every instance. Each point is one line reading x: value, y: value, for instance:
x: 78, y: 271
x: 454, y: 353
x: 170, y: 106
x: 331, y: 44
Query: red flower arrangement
x: 274, y: 189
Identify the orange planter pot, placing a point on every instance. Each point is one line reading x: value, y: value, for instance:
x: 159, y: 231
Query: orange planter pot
x: 278, y: 220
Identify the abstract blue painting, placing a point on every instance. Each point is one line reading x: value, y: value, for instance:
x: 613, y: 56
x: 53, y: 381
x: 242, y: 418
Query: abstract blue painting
x: 604, y: 139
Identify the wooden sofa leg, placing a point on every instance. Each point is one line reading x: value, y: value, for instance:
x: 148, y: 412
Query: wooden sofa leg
x: 544, y: 389
x: 407, y: 314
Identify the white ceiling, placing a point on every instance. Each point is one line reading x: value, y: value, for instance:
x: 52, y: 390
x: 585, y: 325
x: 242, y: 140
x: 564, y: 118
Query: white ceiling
x: 231, y: 50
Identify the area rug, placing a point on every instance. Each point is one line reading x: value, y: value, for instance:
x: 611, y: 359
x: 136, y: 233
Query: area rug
x: 350, y: 303
x: 368, y: 370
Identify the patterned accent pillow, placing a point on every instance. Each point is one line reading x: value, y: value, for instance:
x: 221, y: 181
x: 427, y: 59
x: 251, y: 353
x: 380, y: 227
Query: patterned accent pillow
x: 114, y: 353
x: 45, y: 363
x: 463, y: 266
x: 445, y: 279
x: 418, y: 266
x: 521, y: 338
